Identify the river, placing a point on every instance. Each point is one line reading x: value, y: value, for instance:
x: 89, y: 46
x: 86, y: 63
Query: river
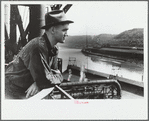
x: 101, y: 64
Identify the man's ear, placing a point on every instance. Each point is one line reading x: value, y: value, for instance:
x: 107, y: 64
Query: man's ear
x: 52, y: 29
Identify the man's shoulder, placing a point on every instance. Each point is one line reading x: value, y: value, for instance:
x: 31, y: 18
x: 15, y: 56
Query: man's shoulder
x: 29, y: 47
x: 42, y: 44
x: 34, y: 43
x: 38, y: 43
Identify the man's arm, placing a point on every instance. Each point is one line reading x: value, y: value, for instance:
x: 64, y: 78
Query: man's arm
x: 52, y: 73
x: 42, y: 74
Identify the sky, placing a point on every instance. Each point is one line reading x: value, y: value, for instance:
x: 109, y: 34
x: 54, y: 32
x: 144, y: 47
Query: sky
x: 98, y: 17
x: 102, y: 17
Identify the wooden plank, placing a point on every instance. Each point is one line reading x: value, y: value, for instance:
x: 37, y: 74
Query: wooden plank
x: 129, y: 81
x: 128, y: 95
x: 121, y: 79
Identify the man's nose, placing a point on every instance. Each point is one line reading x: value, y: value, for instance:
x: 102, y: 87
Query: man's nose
x: 66, y: 35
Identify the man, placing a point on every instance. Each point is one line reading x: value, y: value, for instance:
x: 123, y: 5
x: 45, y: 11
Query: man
x: 35, y: 67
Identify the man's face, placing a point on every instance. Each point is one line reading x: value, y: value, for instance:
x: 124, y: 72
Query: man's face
x: 61, y: 33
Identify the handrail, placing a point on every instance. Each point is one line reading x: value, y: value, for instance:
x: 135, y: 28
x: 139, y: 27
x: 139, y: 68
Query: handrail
x: 43, y: 93
x: 94, y: 82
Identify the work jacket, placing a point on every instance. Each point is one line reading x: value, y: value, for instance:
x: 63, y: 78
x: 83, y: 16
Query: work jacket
x: 36, y: 62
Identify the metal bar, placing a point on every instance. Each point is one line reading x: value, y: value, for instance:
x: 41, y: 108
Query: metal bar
x: 67, y: 7
x: 63, y: 92
x: 20, y: 44
x: 107, y: 81
x: 12, y: 24
x: 60, y: 64
x: 27, y: 29
x: 19, y: 22
x: 56, y: 7
x: 6, y: 33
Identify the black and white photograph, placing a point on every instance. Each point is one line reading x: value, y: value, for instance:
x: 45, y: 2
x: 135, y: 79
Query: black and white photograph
x: 74, y: 60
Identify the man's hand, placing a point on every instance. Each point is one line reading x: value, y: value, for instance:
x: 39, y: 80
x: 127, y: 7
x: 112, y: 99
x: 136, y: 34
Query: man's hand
x: 32, y: 90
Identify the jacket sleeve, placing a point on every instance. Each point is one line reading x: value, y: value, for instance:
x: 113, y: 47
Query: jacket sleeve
x: 52, y: 73
x: 38, y: 71
x: 54, y: 67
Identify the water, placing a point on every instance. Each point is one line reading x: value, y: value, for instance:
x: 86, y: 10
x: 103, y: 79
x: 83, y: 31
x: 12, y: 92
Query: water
x: 102, y: 64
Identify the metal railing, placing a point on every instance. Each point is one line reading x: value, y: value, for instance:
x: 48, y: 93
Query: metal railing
x: 45, y: 92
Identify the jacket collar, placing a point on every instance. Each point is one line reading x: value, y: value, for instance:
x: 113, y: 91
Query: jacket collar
x: 47, y: 42
x: 52, y: 51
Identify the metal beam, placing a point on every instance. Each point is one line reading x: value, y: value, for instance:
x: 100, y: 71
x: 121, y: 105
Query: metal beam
x: 6, y: 33
x: 37, y: 13
x: 12, y: 24
x: 67, y: 7
x: 19, y: 22
x: 13, y: 35
x: 56, y: 7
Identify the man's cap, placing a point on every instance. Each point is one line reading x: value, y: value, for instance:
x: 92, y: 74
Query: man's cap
x: 55, y: 17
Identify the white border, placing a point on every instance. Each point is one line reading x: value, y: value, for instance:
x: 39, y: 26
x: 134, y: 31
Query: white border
x: 67, y: 109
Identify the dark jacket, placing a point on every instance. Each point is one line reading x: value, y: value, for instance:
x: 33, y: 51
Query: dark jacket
x: 30, y: 65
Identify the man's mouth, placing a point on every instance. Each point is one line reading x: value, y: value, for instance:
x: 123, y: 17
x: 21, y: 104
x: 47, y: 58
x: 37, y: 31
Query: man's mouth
x: 64, y: 37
